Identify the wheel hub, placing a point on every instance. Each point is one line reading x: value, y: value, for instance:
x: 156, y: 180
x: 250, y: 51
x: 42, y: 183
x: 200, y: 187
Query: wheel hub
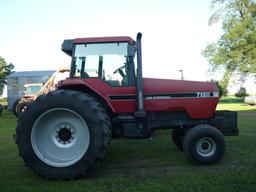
x: 206, y: 146
x: 60, y: 137
x: 65, y: 134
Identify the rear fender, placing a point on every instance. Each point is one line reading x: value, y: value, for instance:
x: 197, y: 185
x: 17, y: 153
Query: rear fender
x: 85, y: 88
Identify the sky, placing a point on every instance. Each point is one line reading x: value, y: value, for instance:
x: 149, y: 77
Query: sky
x: 174, y: 32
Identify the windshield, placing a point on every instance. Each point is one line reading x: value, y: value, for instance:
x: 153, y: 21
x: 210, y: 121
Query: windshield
x: 107, y: 61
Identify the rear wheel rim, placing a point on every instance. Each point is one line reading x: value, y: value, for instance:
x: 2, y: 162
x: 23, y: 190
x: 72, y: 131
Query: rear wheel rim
x: 206, y: 147
x: 60, y: 137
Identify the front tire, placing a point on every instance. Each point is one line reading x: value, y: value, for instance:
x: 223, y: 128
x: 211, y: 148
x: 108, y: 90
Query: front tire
x: 63, y: 134
x: 204, y: 144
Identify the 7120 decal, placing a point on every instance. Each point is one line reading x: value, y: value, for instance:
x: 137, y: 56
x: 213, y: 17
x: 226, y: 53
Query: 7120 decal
x: 203, y: 94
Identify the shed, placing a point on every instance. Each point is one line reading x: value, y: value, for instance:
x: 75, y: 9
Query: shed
x: 17, y: 80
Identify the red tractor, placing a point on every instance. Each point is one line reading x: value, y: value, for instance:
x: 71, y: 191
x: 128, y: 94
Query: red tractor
x: 65, y: 133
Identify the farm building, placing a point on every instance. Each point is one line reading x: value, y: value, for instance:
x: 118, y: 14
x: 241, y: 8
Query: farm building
x: 17, y: 81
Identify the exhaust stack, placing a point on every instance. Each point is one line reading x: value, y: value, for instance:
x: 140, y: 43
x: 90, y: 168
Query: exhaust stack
x: 139, y: 83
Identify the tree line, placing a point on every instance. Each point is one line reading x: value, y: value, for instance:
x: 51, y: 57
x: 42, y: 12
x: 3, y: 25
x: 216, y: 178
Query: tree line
x: 5, y: 70
x: 235, y: 51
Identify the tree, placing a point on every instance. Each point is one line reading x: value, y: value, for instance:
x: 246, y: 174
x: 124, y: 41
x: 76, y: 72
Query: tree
x: 5, y: 70
x: 235, y: 51
x: 241, y: 92
x: 222, y: 89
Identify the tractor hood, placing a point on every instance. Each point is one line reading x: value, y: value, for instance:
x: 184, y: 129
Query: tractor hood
x: 198, y: 99
x: 179, y: 88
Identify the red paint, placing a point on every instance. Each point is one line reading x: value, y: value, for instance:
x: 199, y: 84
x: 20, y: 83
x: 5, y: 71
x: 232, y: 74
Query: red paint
x: 176, y: 86
x: 104, y: 40
x: 197, y: 108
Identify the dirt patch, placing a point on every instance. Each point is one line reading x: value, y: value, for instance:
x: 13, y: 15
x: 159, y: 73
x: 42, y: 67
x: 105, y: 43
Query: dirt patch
x: 247, y: 114
x: 168, y: 170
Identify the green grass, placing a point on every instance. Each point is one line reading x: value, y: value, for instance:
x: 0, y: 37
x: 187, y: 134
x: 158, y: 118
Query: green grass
x: 231, y: 99
x: 144, y: 165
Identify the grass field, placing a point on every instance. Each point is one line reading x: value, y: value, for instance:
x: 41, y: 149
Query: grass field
x: 144, y: 165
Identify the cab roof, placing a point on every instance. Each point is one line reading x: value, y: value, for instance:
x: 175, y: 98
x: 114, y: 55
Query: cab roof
x: 68, y: 44
x: 104, y: 40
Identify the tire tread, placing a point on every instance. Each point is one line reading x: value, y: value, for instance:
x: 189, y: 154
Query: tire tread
x: 100, y: 116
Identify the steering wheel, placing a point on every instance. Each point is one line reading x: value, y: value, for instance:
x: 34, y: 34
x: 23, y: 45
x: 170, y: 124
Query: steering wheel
x: 120, y: 71
x: 84, y: 74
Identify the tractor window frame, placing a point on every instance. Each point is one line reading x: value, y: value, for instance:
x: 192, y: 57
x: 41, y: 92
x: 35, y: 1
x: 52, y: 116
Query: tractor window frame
x: 129, y: 65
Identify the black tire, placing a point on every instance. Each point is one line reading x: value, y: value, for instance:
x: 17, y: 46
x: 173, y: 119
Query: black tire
x: 204, y: 144
x: 84, y: 106
x: 20, y: 107
x: 177, y: 138
x: 14, y: 111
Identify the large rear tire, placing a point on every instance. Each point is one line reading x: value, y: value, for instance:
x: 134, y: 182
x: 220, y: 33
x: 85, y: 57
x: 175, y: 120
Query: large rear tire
x: 63, y: 134
x: 204, y: 144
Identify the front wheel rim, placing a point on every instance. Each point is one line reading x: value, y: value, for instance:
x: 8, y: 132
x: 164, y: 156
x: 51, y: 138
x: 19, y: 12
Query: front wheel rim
x: 60, y: 137
x: 206, y: 147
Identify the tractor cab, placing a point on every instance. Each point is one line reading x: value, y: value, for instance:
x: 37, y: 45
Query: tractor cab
x: 109, y: 59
